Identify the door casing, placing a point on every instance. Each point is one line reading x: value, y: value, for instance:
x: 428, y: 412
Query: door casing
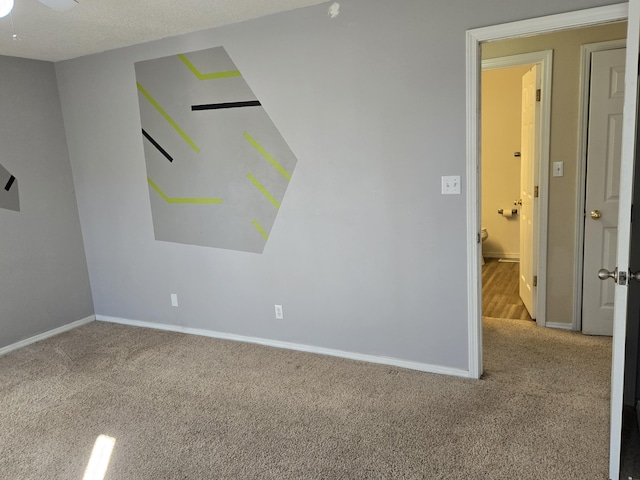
x: 474, y: 39
x: 544, y: 61
x: 583, y: 119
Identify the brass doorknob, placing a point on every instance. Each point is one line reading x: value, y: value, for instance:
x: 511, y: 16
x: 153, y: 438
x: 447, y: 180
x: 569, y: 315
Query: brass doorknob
x: 596, y: 214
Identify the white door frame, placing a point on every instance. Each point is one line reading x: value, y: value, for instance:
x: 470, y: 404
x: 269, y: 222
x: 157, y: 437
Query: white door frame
x: 583, y: 124
x: 612, y: 13
x: 627, y: 166
x: 475, y: 37
x: 544, y: 59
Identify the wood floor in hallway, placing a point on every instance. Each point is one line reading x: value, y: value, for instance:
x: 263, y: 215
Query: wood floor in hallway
x: 500, y: 298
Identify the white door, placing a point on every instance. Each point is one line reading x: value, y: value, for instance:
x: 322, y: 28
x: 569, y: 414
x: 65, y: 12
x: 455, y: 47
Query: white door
x: 606, y: 102
x: 624, y: 234
x: 528, y: 151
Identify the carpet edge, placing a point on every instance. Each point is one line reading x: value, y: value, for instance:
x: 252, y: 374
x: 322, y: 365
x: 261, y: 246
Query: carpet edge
x: 47, y: 334
x: 377, y: 359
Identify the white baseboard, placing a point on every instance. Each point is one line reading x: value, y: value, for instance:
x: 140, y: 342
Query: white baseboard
x: 396, y: 362
x: 514, y: 256
x: 560, y: 326
x: 45, y: 335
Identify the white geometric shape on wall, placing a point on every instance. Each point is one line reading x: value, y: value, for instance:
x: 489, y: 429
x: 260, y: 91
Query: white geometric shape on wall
x: 217, y: 166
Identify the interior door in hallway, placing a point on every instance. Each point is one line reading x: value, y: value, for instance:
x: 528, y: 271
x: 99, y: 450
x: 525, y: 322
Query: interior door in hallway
x: 529, y: 147
x: 606, y: 101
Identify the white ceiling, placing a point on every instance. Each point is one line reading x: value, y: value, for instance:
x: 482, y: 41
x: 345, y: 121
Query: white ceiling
x: 98, y: 25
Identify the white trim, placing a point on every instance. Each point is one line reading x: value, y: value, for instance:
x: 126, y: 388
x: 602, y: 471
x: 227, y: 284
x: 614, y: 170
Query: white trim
x: 544, y: 59
x: 514, y: 256
x: 474, y: 244
x: 560, y: 326
x: 551, y: 23
x: 627, y: 164
x: 611, y: 13
x: 583, y: 123
x: 542, y: 173
x: 45, y: 335
x: 396, y: 362
x: 474, y: 38
x: 520, y: 59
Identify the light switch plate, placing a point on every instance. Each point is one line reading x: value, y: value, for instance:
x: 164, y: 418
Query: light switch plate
x: 558, y: 169
x: 451, y: 185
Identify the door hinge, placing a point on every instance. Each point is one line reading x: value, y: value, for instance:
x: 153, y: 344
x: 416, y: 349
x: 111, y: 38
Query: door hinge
x: 535, y: 280
x: 538, y: 95
x: 536, y: 192
x: 478, y: 239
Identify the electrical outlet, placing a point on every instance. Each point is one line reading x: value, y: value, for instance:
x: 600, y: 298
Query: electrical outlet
x: 279, y: 315
x: 451, y: 185
x: 174, y: 299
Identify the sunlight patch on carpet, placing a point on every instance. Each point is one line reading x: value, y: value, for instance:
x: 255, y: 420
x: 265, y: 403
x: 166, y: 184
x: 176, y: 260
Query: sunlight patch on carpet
x: 100, y: 457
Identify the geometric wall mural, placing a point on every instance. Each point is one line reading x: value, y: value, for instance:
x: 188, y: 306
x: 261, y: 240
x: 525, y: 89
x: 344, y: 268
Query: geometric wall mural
x: 217, y: 166
x: 9, y: 197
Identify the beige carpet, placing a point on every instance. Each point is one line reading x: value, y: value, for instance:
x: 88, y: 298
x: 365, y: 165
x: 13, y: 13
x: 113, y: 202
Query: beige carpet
x: 186, y: 407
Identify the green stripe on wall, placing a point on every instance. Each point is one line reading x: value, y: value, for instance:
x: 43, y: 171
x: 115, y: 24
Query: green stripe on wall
x: 166, y: 116
x: 182, y: 200
x: 261, y: 230
x: 264, y: 191
x: 207, y: 76
x: 266, y: 155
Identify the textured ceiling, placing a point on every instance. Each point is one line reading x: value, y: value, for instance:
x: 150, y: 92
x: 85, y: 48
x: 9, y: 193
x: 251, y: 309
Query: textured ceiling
x: 98, y: 25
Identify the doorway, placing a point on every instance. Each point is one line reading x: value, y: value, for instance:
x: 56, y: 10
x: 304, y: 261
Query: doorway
x: 511, y: 225
x: 562, y: 259
x: 558, y: 248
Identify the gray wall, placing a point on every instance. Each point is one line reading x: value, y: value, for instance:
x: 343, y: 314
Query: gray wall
x: 366, y: 255
x: 44, y: 282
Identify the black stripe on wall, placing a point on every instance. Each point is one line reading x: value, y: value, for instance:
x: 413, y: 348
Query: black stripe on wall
x: 157, y: 145
x: 216, y: 106
x: 7, y: 187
